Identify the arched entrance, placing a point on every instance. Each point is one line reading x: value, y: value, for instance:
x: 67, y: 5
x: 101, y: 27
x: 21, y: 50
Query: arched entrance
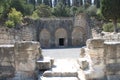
x: 77, y: 36
x: 45, y: 38
x: 61, y: 37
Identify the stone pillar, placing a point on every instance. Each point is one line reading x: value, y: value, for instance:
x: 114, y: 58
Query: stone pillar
x: 7, y: 65
x: 112, y: 60
x: 95, y: 48
x: 26, y: 55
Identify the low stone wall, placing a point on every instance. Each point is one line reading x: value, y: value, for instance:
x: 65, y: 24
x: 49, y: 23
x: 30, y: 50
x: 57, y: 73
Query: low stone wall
x: 112, y: 60
x: 7, y: 64
x: 23, y: 33
x: 95, y: 48
x: 104, y: 62
x: 18, y: 61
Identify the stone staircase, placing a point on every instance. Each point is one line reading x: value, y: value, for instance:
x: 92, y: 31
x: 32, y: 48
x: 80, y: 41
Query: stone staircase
x: 62, y: 69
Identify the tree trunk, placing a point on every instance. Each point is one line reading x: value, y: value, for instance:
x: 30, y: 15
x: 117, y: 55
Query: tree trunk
x: 115, y: 25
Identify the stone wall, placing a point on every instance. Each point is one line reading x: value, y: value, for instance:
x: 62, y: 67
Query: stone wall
x: 50, y: 32
x: 102, y: 58
x: 18, y: 62
x: 21, y: 33
x: 112, y: 60
x: 7, y: 64
x: 95, y: 48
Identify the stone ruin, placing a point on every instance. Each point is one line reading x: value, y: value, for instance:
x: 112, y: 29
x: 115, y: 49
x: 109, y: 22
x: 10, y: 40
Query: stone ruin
x: 22, y: 61
x: 100, y: 60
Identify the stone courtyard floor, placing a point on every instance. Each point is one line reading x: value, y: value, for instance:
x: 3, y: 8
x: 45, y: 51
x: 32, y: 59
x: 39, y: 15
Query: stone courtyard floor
x: 65, y: 65
x: 65, y: 53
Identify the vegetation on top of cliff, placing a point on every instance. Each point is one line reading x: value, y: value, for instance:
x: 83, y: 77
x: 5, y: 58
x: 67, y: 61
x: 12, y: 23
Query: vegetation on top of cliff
x: 110, y: 10
x: 57, y: 8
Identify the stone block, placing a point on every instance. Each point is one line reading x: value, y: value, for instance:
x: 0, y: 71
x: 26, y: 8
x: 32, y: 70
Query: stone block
x: 85, y: 65
x: 27, y: 45
x: 7, y: 66
x: 113, y: 77
x: 45, y: 63
x: 95, y: 43
x: 82, y: 53
x: 59, y: 78
x: 113, y: 68
x: 59, y: 74
x: 26, y: 55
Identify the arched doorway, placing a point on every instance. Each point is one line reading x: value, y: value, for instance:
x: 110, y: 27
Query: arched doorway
x: 61, y: 37
x: 45, y: 38
x: 77, y: 36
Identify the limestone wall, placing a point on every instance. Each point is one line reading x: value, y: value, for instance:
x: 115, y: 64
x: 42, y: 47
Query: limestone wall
x: 18, y: 62
x: 95, y: 48
x: 7, y: 64
x: 50, y: 32
x: 112, y: 60
x: 102, y: 58
x: 22, y: 33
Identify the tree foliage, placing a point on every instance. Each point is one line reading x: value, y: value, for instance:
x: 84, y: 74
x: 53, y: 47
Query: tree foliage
x: 43, y: 11
x: 15, y: 16
x: 22, y: 6
x: 110, y: 9
x: 61, y: 10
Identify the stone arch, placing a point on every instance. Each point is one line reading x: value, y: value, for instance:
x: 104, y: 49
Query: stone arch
x: 78, y: 36
x: 61, y: 37
x: 45, y: 38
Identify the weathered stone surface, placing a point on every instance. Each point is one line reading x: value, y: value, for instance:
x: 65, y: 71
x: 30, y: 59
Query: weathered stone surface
x: 95, y: 52
x: 26, y: 55
x: 82, y: 53
x: 23, y: 76
x: 7, y: 65
x: 113, y: 68
x: 113, y: 77
x: 95, y: 43
x: 45, y: 63
x: 85, y: 65
x: 59, y: 78
x: 112, y: 55
x: 59, y: 74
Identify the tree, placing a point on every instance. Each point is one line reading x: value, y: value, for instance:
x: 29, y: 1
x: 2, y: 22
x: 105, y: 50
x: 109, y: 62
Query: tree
x: 22, y: 6
x: 4, y: 8
x: 97, y: 3
x: 73, y: 10
x: 43, y: 10
x: 61, y: 10
x: 15, y: 16
x: 110, y: 10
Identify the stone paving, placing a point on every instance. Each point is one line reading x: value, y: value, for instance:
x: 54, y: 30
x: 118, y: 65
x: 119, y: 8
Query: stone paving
x: 65, y: 65
x: 66, y: 53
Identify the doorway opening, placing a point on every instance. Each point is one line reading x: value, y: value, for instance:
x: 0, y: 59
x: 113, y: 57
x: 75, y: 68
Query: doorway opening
x: 61, y: 41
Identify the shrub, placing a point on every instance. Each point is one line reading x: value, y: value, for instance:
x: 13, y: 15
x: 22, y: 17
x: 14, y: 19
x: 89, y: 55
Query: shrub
x: 15, y: 16
x: 43, y: 11
x: 35, y: 15
x: 91, y: 11
x: 109, y: 27
x: 9, y: 24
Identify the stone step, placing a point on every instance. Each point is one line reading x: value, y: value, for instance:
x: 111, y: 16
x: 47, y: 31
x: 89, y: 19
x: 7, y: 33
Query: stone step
x: 60, y: 74
x: 45, y: 63
x: 59, y: 78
